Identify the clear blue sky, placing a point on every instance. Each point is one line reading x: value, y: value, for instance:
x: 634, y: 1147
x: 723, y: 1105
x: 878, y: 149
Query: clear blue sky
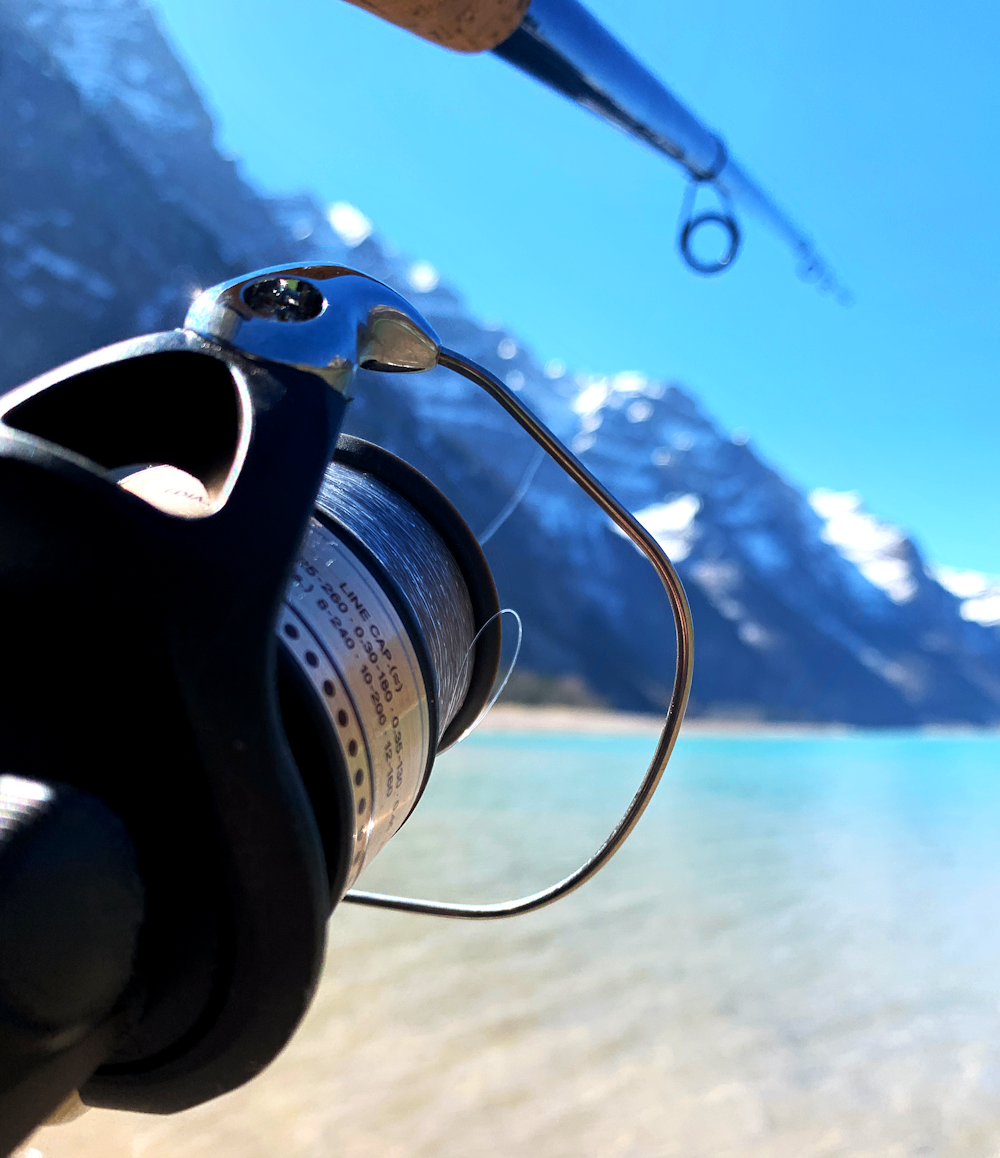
x: 874, y: 124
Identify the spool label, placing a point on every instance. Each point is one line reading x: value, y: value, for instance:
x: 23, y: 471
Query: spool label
x: 352, y: 645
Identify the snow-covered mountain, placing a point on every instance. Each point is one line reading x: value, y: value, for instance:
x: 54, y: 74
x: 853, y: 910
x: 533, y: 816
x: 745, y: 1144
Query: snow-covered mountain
x: 115, y: 204
x: 979, y: 594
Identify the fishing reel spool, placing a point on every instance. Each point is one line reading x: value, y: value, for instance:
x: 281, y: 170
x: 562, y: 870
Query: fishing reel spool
x: 390, y: 640
x: 272, y: 631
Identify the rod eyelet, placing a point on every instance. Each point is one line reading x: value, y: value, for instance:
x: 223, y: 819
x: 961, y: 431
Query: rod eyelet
x: 691, y: 227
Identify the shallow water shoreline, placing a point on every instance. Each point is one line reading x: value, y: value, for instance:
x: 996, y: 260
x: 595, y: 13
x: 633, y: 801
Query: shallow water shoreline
x: 796, y: 956
x: 559, y: 718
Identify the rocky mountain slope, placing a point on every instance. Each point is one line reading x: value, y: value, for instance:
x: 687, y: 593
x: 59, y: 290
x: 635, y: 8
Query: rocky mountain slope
x: 115, y: 204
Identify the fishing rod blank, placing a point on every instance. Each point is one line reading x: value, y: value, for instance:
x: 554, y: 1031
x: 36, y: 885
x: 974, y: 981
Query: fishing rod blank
x: 564, y: 46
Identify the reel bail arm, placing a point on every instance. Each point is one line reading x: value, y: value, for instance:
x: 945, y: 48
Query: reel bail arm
x: 648, y: 546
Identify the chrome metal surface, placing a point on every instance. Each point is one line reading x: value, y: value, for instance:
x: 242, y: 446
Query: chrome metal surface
x: 561, y: 44
x: 682, y: 672
x: 350, y: 643
x: 322, y: 318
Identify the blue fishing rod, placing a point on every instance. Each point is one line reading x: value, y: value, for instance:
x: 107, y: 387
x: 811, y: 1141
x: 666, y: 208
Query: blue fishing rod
x: 564, y: 46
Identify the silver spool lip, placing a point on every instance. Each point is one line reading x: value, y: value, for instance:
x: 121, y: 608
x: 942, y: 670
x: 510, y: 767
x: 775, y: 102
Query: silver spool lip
x: 351, y: 646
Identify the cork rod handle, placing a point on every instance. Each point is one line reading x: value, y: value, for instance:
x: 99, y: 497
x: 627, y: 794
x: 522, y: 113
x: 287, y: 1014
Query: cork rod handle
x: 462, y: 25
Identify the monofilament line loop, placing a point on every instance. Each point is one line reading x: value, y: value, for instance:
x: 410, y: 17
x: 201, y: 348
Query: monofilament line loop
x: 648, y: 546
x: 507, y: 674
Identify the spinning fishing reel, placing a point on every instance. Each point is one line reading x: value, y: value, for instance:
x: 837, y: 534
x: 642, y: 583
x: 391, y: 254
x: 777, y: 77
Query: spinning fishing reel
x: 235, y: 643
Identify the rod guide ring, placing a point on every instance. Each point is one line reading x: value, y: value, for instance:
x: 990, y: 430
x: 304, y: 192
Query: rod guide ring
x: 690, y: 229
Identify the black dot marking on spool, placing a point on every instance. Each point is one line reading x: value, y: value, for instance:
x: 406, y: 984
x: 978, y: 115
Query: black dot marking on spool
x: 359, y: 776
x: 328, y: 688
x: 291, y: 631
x: 311, y: 659
x: 342, y: 718
x: 352, y: 749
x: 362, y: 805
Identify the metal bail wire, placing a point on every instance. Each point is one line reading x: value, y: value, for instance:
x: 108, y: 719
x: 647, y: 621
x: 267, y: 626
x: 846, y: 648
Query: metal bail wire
x: 645, y: 542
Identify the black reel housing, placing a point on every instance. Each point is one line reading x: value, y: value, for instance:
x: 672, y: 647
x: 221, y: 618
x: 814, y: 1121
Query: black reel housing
x: 141, y: 673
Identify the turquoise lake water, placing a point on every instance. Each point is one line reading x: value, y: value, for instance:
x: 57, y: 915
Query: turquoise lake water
x: 797, y: 954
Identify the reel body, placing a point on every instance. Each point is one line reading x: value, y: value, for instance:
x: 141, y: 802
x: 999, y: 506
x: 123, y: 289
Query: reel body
x: 139, y: 668
x: 245, y: 642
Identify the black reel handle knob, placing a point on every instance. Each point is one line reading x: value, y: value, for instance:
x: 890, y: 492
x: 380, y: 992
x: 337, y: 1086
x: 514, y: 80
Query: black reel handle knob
x: 71, y: 907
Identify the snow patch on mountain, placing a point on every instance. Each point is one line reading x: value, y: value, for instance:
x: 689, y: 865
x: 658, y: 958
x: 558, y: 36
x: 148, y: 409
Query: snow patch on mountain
x: 877, y: 549
x: 672, y: 524
x: 104, y: 47
x: 351, y: 224
x: 423, y: 277
x: 979, y: 593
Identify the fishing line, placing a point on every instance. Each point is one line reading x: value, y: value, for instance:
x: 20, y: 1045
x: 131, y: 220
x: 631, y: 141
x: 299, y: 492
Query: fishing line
x: 509, y: 672
x: 414, y: 556
x: 515, y: 500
